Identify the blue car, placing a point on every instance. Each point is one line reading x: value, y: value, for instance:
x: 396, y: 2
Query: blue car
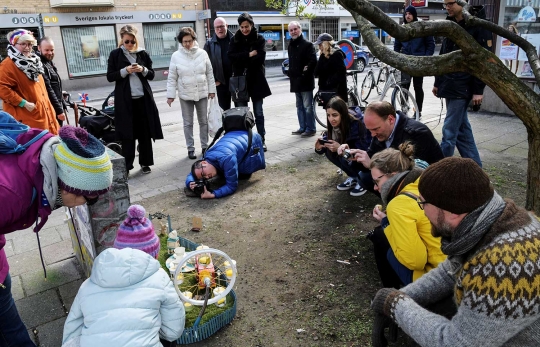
x: 362, y: 58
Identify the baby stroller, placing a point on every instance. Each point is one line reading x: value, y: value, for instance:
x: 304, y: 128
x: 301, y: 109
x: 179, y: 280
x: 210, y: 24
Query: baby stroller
x: 99, y: 123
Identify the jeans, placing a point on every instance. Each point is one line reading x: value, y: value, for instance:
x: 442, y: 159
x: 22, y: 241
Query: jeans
x: 12, y: 330
x: 457, y: 131
x: 404, y: 274
x: 350, y: 168
x: 304, y: 110
x: 258, y: 112
x: 224, y: 96
x: 418, y: 90
x: 202, y: 116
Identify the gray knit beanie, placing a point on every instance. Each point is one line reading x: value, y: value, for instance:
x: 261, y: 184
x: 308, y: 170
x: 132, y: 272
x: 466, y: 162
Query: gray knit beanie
x: 456, y: 185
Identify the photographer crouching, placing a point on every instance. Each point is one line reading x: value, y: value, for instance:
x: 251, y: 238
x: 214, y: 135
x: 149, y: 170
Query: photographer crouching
x: 345, y: 126
x: 228, y: 160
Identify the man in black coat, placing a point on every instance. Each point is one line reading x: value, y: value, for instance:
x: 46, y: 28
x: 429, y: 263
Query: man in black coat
x: 52, y: 79
x: 390, y: 129
x: 217, y: 47
x: 302, y: 63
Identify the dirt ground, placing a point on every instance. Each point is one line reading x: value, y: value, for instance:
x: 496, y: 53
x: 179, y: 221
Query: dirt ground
x: 288, y: 228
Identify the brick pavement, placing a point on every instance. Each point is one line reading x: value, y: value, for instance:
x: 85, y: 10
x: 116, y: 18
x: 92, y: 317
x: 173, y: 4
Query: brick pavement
x: 44, y: 304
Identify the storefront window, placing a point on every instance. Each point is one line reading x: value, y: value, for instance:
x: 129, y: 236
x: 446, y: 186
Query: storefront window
x: 273, y: 35
x: 88, y: 48
x: 160, y: 43
x: 521, y: 17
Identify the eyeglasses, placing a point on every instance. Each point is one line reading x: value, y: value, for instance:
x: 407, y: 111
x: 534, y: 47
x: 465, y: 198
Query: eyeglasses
x: 421, y: 203
x: 187, y: 42
x: 376, y: 181
x: 91, y: 201
x: 28, y: 44
x: 126, y: 42
x: 448, y: 4
x: 220, y: 27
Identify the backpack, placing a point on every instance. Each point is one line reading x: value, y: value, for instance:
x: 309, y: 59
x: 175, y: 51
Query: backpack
x: 237, y: 118
x: 10, y: 129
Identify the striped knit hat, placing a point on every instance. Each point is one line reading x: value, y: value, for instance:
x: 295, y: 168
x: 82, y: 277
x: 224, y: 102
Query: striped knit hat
x: 136, y: 231
x: 84, y: 167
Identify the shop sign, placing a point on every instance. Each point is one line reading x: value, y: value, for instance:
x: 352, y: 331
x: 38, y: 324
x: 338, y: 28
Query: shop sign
x: 93, y: 18
x: 527, y: 14
x: 350, y: 33
x: 18, y: 20
x: 204, y: 14
x: 419, y: 3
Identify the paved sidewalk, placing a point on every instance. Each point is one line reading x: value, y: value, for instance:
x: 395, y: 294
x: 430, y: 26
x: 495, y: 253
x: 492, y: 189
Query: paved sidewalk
x: 44, y: 304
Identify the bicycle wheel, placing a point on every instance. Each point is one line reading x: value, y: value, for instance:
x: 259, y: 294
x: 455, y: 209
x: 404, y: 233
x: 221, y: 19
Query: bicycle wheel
x: 353, y: 99
x: 382, y: 78
x: 200, y: 269
x: 367, y: 86
x: 322, y: 121
x: 403, y: 101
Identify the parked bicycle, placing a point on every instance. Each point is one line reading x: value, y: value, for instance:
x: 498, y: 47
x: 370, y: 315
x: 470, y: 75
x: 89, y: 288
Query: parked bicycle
x: 370, y: 82
x: 352, y: 95
x: 401, y: 99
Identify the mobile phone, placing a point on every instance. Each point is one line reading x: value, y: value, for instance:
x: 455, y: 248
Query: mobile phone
x: 134, y: 64
x: 322, y: 142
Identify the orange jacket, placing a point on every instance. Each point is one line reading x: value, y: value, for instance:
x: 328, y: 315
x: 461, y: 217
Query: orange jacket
x: 16, y: 86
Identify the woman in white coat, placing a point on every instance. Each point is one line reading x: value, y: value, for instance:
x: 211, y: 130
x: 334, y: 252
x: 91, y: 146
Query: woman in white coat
x: 190, y: 72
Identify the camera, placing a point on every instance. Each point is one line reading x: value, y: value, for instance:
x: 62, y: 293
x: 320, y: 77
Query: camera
x: 199, y: 186
x: 346, y: 154
x: 322, y: 142
x: 475, y: 108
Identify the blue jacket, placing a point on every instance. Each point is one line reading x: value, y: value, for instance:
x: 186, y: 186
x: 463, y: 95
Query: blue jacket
x: 420, y: 46
x: 225, y: 155
x: 129, y: 300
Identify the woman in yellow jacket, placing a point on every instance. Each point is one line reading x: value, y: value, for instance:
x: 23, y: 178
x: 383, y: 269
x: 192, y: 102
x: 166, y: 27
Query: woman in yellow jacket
x: 405, y: 249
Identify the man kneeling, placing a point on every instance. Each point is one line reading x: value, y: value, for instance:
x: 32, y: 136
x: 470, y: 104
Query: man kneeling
x: 227, y: 158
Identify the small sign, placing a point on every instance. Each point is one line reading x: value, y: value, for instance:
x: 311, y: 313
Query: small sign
x: 350, y: 33
x: 419, y: 3
x: 269, y: 35
x: 204, y: 14
x: 197, y: 224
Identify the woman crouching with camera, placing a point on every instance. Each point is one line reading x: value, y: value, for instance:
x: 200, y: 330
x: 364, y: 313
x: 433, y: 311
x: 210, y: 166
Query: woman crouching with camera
x: 404, y: 247
x: 343, y: 127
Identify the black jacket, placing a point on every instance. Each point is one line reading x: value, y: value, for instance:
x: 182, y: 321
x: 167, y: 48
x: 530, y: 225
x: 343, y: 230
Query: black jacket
x: 302, y: 56
x: 426, y: 146
x: 239, y: 49
x: 53, y: 83
x: 213, y: 48
x: 462, y: 85
x: 123, y: 106
x: 332, y: 73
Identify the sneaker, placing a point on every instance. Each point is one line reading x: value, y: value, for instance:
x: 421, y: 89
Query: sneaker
x: 358, y: 190
x: 191, y: 155
x: 348, y: 184
x: 146, y: 169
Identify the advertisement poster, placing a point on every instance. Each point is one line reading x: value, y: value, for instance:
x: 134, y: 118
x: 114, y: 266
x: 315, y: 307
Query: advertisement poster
x: 534, y: 40
x: 90, y: 46
x: 419, y: 3
x: 509, y: 52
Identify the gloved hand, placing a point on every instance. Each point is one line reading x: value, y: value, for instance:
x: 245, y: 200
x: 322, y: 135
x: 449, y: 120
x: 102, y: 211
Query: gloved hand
x: 383, y: 299
x: 380, y: 323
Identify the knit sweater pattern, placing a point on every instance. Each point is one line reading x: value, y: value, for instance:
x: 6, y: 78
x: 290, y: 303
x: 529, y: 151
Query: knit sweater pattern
x: 496, y: 289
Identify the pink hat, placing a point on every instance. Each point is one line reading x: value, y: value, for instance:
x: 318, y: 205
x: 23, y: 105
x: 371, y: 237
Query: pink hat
x: 136, y: 231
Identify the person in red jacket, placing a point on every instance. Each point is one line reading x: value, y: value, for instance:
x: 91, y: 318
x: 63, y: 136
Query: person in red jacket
x: 50, y: 173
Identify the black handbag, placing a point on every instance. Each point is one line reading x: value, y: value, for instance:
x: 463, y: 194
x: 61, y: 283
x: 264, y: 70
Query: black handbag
x: 324, y: 96
x: 238, y: 88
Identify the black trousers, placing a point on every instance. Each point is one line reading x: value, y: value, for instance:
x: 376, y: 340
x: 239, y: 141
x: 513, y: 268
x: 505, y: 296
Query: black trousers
x: 224, y: 96
x: 389, y: 278
x: 141, y: 133
x: 166, y: 343
x: 417, y: 84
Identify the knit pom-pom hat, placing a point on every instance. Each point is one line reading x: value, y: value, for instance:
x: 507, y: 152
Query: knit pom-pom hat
x: 84, y: 167
x: 136, y: 231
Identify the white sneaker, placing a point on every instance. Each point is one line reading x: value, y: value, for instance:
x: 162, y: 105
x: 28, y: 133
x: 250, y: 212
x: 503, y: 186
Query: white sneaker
x: 358, y: 190
x: 348, y: 184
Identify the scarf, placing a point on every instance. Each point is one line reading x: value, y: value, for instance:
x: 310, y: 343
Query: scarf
x: 471, y: 230
x: 31, y: 66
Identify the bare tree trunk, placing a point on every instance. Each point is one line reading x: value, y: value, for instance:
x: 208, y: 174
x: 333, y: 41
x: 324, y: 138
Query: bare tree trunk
x: 533, y: 172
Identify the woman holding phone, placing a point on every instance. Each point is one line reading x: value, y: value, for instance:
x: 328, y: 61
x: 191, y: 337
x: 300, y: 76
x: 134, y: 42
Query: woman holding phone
x: 136, y: 114
x: 344, y: 126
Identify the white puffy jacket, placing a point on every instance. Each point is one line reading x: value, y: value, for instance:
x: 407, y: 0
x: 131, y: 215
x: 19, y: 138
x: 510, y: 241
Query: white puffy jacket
x: 127, y: 301
x: 191, y: 73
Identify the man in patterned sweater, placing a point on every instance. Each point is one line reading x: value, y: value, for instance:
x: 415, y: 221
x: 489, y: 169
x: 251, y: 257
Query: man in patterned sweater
x: 493, y: 267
